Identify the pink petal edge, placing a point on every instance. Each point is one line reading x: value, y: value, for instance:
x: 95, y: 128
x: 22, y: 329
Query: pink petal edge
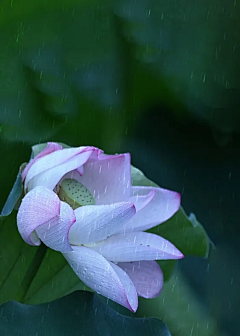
x: 50, y: 148
x: 53, y: 160
x: 50, y: 178
x: 38, y: 207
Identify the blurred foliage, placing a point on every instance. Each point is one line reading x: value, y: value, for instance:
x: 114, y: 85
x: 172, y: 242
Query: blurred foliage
x: 73, y: 69
x: 53, y: 82
x: 180, y: 308
x: 80, y: 313
x: 191, y: 48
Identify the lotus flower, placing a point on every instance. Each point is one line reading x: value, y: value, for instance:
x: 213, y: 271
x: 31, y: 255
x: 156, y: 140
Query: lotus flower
x: 80, y: 201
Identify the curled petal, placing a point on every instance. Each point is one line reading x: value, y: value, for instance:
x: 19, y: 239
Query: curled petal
x: 103, y: 277
x: 163, y: 206
x: 54, y: 234
x: 96, y: 222
x: 50, y: 148
x: 51, y: 177
x: 141, y: 201
x: 136, y: 246
x: 108, y: 179
x: 146, y: 276
x: 52, y: 160
x: 38, y: 207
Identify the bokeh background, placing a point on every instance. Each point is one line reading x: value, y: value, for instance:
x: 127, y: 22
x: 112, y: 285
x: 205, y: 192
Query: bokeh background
x: 157, y: 79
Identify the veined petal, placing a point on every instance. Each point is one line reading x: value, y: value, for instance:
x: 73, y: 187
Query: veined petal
x: 54, y: 234
x: 52, y: 160
x: 51, y: 177
x: 146, y: 276
x: 96, y: 222
x: 136, y: 246
x: 104, y: 278
x: 38, y: 207
x: 50, y: 148
x: 108, y: 179
x: 163, y: 206
x: 140, y: 201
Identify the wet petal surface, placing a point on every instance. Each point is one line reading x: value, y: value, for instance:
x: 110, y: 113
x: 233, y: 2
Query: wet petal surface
x: 103, y: 277
x: 54, y: 234
x: 38, y: 207
x: 163, y: 206
x: 96, y: 222
x: 136, y: 246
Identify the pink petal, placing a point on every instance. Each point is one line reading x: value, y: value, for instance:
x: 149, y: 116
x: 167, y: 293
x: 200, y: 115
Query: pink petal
x: 103, y: 277
x: 96, y: 155
x: 50, y: 148
x: 108, y: 179
x: 96, y: 222
x: 141, y: 201
x: 51, y: 177
x: 52, y: 160
x: 38, y: 207
x: 146, y: 276
x: 54, y: 234
x: 163, y: 206
x: 136, y: 246
x: 80, y: 170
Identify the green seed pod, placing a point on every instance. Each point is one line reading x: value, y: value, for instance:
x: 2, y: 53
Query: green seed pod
x: 75, y: 194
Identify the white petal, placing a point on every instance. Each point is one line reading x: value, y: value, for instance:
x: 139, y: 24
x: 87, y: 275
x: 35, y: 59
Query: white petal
x: 136, y: 246
x: 50, y: 148
x: 104, y: 278
x: 51, y: 177
x: 96, y: 222
x: 54, y: 234
x: 51, y: 160
x: 163, y: 206
x: 140, y: 201
x: 38, y: 207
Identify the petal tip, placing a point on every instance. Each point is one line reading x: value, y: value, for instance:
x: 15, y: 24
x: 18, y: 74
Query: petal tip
x: 176, y: 202
x: 132, y: 306
x: 178, y: 197
x: 181, y: 256
x: 133, y: 309
x: 178, y: 254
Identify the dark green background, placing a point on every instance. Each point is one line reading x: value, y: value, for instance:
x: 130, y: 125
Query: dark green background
x: 160, y: 80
